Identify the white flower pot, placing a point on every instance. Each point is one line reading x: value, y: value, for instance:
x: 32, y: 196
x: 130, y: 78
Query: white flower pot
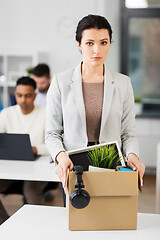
x: 138, y: 108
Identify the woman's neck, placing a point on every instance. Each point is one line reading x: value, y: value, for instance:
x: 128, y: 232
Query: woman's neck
x: 92, y: 73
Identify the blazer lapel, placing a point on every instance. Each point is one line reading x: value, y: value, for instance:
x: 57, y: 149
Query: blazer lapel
x: 107, y: 97
x: 76, y: 86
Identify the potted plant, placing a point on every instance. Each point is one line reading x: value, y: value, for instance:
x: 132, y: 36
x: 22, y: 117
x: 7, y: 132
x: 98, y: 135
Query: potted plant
x: 29, y: 70
x: 104, y: 157
x: 138, y: 105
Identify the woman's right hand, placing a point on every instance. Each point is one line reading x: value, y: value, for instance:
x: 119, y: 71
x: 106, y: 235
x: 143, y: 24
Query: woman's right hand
x: 64, y: 162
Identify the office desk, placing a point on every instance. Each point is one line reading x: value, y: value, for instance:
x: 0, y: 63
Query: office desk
x: 38, y: 170
x: 41, y: 222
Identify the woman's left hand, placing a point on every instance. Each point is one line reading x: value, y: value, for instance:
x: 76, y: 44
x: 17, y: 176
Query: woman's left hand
x: 134, y: 163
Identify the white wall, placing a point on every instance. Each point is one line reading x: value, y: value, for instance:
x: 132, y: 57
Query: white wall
x: 49, y: 26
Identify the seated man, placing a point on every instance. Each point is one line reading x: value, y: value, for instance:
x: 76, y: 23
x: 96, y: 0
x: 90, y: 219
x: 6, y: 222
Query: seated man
x: 41, y: 75
x: 25, y: 117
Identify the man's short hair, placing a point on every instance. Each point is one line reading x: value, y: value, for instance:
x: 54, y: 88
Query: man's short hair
x: 41, y: 70
x: 26, y: 81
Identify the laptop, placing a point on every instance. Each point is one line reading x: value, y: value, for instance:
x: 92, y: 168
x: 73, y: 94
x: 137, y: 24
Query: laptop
x: 80, y: 156
x: 16, y: 147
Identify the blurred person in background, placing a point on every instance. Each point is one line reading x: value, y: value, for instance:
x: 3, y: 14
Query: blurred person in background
x: 41, y: 75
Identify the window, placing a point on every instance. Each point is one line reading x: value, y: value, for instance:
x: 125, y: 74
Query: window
x: 142, y: 3
x: 141, y: 53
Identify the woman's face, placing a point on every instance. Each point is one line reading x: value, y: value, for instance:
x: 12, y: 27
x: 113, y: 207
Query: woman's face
x: 95, y: 45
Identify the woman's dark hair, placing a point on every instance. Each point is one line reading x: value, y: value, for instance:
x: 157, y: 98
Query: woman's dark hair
x: 92, y: 21
x: 26, y: 81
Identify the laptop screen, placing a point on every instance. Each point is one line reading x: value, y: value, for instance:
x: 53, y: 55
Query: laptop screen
x: 15, y: 147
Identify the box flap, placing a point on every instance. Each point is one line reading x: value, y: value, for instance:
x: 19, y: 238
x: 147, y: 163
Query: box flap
x: 107, y: 183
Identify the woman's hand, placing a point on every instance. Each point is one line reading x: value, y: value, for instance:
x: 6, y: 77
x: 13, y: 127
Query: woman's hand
x: 64, y: 162
x: 134, y: 163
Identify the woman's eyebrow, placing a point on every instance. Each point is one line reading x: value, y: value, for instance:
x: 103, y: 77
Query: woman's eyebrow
x: 104, y: 39
x: 94, y: 40
x: 89, y: 40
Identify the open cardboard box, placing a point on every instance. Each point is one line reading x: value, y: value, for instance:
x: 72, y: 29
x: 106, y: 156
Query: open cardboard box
x: 113, y: 201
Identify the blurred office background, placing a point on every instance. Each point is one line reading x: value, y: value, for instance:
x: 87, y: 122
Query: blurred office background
x: 34, y: 31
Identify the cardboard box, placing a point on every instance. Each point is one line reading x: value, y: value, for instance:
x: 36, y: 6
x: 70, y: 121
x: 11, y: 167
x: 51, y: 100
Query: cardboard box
x: 113, y: 201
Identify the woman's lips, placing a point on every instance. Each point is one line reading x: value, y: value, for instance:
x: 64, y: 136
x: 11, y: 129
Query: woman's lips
x: 96, y: 58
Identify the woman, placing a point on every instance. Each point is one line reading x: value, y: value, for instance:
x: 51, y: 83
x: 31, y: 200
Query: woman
x: 91, y: 103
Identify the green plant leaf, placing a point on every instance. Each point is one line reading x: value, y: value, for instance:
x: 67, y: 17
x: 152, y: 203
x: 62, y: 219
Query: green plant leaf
x: 105, y: 156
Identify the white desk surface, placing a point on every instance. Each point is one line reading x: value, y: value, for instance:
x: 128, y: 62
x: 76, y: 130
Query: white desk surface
x: 38, y: 170
x: 42, y: 222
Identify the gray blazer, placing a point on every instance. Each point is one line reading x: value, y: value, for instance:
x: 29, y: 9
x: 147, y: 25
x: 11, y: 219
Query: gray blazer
x: 65, y: 113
